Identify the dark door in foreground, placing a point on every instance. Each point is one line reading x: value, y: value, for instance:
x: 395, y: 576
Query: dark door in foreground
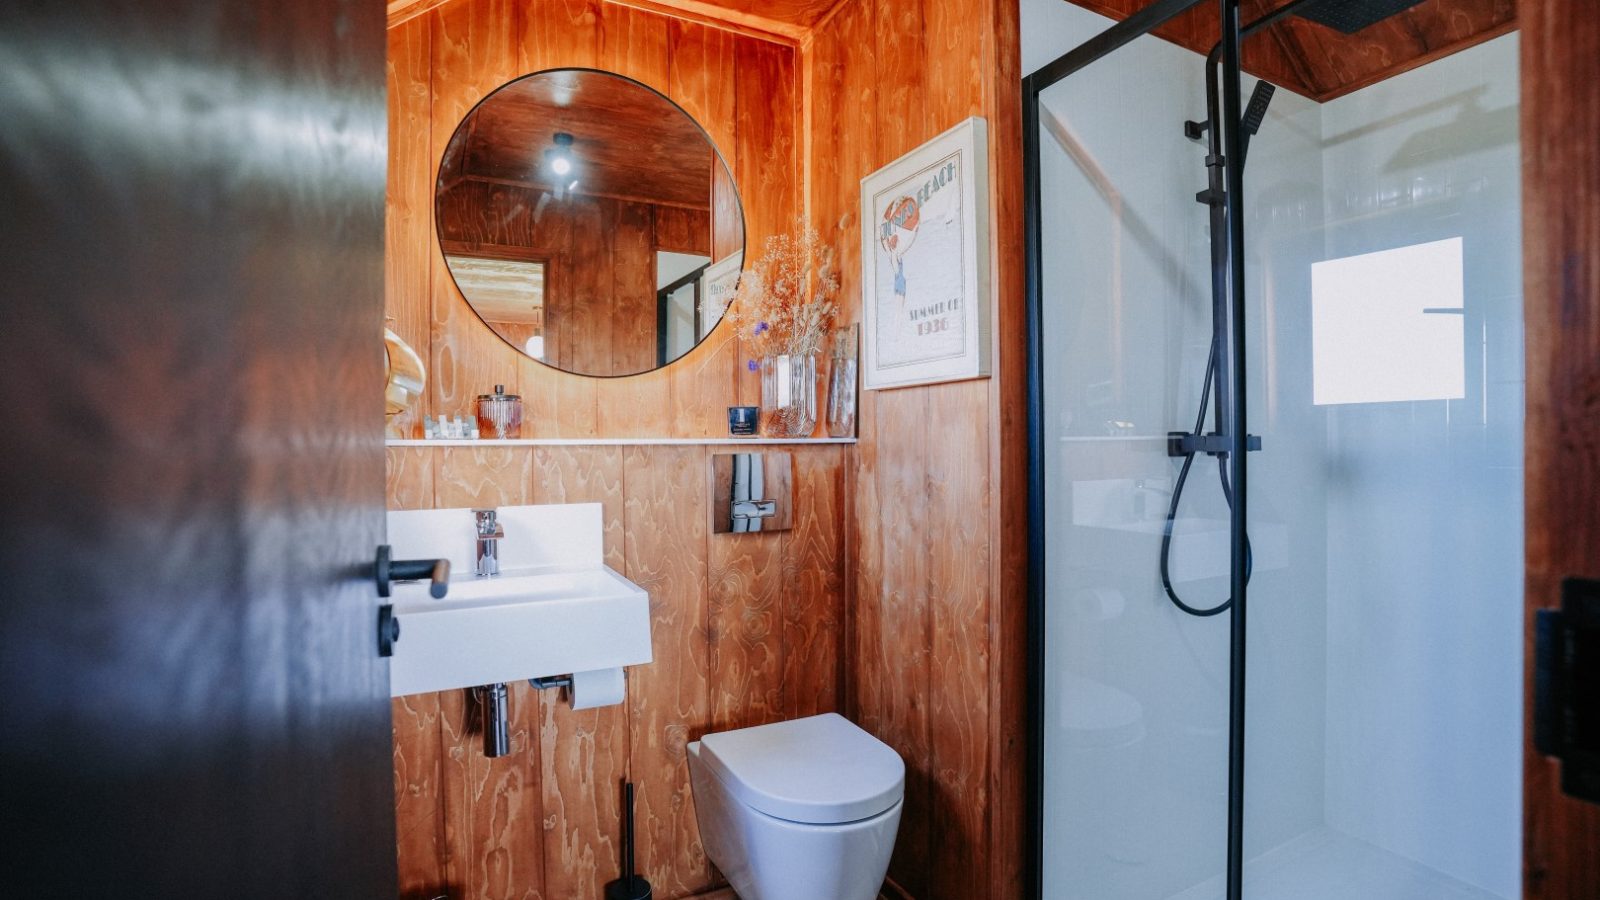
x: 191, y: 474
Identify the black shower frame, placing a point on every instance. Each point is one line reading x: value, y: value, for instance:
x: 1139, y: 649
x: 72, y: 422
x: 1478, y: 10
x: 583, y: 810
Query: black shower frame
x: 1103, y: 44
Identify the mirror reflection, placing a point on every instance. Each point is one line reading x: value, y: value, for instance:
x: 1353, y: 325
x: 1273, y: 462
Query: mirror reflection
x: 590, y: 222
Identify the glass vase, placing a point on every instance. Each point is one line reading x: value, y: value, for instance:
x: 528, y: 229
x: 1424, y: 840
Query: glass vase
x: 842, y: 385
x: 789, y: 395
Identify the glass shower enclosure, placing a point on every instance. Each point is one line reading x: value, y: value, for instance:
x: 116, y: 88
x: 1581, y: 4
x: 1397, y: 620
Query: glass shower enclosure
x: 1372, y: 749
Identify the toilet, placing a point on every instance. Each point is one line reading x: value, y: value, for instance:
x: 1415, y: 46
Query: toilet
x: 798, y: 810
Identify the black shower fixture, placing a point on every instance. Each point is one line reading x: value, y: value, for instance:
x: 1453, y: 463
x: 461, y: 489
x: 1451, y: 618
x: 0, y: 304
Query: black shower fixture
x: 1350, y: 16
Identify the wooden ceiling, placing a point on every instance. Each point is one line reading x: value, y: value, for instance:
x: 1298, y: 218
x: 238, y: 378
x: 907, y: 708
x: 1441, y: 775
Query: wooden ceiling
x: 788, y: 20
x: 629, y: 142
x: 1323, y: 63
x: 1305, y: 57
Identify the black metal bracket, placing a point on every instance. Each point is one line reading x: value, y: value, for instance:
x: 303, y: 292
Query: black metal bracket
x: 1566, y: 686
x: 1184, y: 443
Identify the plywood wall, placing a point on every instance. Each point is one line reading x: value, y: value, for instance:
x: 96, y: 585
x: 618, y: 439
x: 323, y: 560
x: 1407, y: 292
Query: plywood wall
x: 745, y: 629
x: 935, y: 658
x: 1561, y: 291
x: 743, y: 89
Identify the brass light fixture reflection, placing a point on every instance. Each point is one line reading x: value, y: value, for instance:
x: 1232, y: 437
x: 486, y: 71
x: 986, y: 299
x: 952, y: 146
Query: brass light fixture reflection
x: 404, y: 375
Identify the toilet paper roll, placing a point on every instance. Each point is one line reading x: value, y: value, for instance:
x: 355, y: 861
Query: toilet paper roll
x: 602, y: 687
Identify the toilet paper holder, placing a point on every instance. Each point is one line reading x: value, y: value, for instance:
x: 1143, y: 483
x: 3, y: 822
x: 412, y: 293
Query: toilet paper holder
x: 551, y: 681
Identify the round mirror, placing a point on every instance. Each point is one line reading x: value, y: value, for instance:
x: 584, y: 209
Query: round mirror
x: 590, y: 222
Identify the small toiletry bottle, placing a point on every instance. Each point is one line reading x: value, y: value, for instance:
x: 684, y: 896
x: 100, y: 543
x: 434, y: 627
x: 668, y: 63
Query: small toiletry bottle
x: 500, y: 414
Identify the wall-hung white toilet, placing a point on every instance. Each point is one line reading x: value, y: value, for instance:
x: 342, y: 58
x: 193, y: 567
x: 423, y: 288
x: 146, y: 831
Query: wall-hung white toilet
x: 798, y: 810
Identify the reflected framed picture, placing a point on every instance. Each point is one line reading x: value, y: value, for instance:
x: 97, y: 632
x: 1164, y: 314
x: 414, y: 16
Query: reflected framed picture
x: 925, y: 263
x: 717, y: 287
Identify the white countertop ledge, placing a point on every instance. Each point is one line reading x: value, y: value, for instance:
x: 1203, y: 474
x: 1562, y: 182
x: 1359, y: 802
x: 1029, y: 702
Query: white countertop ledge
x: 614, y: 442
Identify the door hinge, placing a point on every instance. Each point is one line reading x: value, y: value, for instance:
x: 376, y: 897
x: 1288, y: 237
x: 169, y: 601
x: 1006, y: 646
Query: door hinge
x: 1566, y: 686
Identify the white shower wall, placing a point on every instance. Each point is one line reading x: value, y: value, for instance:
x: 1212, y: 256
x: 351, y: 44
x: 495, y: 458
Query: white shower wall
x: 1385, y: 627
x: 1424, y: 512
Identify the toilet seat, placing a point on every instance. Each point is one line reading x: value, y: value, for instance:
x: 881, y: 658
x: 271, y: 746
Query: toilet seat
x: 821, y: 770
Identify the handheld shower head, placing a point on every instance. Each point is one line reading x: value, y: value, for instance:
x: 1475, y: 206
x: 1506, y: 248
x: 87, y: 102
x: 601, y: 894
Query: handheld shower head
x: 1260, y: 98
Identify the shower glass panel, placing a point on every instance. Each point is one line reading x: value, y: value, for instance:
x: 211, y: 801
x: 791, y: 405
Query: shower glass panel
x: 1384, y: 343
x: 1136, y: 699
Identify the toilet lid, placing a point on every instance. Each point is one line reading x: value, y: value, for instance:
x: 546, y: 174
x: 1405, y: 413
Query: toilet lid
x: 821, y: 770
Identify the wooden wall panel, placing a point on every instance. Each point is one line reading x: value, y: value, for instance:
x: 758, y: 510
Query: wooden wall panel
x: 1561, y: 247
x: 669, y: 701
x: 482, y: 476
x: 473, y: 51
x: 932, y: 543
x: 559, y: 35
x: 409, y: 478
x: 746, y: 634
x: 813, y: 587
x: 408, y: 220
x: 422, y: 852
x: 492, y: 806
x: 680, y: 230
x: 584, y: 752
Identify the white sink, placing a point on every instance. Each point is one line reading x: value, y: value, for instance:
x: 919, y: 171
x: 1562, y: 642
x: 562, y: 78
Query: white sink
x: 555, y: 609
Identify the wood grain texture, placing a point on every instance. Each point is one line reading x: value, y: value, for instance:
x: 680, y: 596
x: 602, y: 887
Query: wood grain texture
x: 669, y: 702
x: 408, y: 477
x: 492, y: 806
x: 746, y: 631
x: 932, y: 544
x: 584, y: 752
x: 1323, y: 63
x: 813, y: 587
x: 482, y: 476
x: 1008, y: 800
x: 1561, y: 260
x: 473, y: 51
x: 422, y: 849
x: 408, y: 220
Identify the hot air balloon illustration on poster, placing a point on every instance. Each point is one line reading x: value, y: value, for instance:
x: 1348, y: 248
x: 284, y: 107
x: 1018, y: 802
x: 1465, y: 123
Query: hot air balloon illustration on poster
x: 925, y: 261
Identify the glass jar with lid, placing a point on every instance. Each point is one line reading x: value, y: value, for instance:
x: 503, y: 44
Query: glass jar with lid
x: 500, y: 414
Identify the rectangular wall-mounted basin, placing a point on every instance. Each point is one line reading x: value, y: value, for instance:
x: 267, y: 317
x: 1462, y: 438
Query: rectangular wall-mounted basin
x: 555, y: 608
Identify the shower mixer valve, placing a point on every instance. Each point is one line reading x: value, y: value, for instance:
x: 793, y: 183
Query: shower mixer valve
x: 1184, y: 443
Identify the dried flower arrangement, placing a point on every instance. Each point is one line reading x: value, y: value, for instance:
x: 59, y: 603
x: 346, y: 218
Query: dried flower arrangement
x: 785, y: 302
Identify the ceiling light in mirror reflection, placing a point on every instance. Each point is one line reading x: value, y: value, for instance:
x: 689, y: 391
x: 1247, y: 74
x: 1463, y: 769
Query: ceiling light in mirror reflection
x: 1389, y: 326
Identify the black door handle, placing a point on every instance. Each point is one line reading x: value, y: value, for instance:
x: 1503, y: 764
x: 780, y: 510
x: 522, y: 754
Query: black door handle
x: 386, y: 570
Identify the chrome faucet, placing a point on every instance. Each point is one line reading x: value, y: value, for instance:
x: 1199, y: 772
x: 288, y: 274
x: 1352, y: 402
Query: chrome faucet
x: 490, y: 532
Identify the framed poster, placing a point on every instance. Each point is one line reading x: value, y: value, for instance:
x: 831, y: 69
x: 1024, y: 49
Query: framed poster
x: 925, y: 263
x: 717, y: 287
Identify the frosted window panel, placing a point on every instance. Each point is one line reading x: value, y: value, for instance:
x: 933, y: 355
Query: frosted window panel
x: 1388, y: 326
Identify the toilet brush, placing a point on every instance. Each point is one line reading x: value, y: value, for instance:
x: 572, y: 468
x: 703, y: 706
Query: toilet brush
x: 629, y: 886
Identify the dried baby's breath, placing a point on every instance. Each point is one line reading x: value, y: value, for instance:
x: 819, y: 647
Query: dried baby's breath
x: 785, y: 302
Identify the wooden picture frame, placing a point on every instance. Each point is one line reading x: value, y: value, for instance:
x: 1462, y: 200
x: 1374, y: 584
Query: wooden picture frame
x: 925, y: 263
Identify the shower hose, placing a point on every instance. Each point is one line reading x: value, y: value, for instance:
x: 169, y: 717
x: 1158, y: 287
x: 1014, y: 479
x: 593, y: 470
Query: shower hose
x: 1177, y: 495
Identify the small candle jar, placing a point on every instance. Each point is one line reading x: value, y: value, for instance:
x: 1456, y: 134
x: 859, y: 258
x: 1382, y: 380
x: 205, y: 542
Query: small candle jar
x: 500, y: 414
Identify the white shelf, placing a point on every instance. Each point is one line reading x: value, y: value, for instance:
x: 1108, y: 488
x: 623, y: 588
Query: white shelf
x: 616, y: 442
